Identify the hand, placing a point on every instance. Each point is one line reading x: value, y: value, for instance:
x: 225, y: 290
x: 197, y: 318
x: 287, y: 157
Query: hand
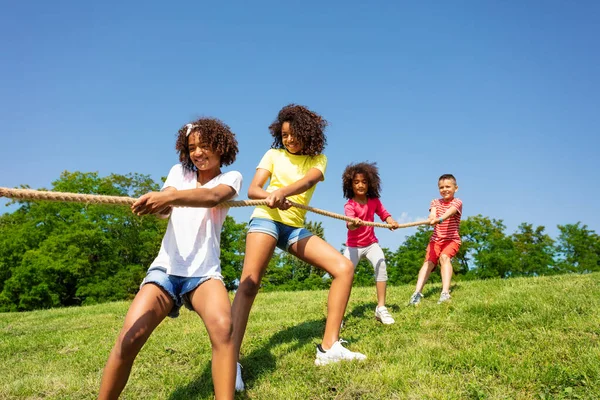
x: 152, y: 203
x: 276, y: 199
x: 286, y: 205
x: 394, y: 225
x: 433, y: 221
x: 355, y: 224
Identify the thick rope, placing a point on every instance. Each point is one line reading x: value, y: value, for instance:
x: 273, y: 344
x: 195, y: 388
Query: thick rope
x: 30, y: 194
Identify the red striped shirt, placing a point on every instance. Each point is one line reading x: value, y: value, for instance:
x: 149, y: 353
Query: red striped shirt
x: 447, y: 230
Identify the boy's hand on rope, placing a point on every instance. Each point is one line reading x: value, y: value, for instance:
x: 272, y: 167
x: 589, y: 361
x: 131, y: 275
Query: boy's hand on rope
x: 433, y: 221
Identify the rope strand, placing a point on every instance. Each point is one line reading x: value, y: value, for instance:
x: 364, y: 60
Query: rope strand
x: 30, y: 194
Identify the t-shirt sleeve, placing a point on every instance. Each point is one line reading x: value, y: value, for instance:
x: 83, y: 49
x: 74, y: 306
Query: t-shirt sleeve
x: 457, y: 203
x: 349, y: 210
x: 433, y: 204
x: 320, y: 163
x: 233, y: 179
x: 381, y: 211
x: 266, y: 161
x: 174, y: 178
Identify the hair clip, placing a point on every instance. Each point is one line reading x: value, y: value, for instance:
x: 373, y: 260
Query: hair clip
x: 189, y: 130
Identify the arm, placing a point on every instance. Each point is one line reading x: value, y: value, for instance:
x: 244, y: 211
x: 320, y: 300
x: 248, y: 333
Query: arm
x: 385, y: 215
x: 349, y: 211
x: 162, y: 202
x: 391, y: 221
x: 432, y: 212
x: 278, y: 197
x: 450, y: 212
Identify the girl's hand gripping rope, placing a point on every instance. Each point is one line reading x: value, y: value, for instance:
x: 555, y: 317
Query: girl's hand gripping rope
x: 152, y: 203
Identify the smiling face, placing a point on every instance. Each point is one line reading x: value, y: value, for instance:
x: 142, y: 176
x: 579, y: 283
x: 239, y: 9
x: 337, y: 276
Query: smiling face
x: 289, y: 140
x: 447, y: 188
x: 203, y: 157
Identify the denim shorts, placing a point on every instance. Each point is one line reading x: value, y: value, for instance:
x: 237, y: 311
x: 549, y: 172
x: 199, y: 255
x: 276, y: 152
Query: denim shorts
x: 286, y: 235
x: 177, y: 287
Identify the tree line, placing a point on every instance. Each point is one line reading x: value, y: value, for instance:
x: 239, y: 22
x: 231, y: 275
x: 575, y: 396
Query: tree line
x: 56, y: 254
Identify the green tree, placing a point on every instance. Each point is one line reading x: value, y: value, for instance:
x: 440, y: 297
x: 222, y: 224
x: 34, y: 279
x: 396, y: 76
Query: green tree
x: 534, y: 251
x: 578, y: 249
x: 61, y: 254
x: 233, y: 243
x: 484, y: 241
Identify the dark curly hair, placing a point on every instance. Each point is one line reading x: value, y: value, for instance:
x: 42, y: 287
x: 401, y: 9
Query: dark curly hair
x: 370, y: 171
x: 308, y: 127
x: 215, y: 134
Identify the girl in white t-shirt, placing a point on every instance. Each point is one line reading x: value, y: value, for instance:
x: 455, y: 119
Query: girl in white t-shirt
x: 187, y: 269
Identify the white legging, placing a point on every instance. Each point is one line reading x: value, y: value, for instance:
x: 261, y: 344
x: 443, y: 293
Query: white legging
x: 374, y: 254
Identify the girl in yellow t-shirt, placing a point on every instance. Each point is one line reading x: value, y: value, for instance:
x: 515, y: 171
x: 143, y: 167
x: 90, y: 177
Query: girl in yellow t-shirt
x: 293, y: 166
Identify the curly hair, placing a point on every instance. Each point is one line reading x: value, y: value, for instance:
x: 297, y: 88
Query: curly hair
x: 215, y: 134
x: 370, y: 171
x: 307, y: 126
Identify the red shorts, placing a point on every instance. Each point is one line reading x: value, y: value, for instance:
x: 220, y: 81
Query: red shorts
x: 436, y: 249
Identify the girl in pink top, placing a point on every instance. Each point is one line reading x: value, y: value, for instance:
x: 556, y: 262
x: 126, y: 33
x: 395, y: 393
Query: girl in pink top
x: 361, y: 186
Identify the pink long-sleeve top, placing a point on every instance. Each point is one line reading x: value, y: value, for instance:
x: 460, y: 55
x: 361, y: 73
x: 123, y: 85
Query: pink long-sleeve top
x: 364, y: 235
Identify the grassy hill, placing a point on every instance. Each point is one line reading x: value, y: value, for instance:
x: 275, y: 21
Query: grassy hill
x: 530, y: 338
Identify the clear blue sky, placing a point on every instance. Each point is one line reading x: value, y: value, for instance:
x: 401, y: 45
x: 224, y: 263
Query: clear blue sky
x: 504, y: 95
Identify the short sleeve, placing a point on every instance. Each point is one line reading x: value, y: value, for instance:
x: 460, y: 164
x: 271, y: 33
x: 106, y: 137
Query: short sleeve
x: 320, y: 163
x: 266, y: 161
x: 174, y: 178
x: 457, y: 203
x: 433, y: 204
x: 233, y: 179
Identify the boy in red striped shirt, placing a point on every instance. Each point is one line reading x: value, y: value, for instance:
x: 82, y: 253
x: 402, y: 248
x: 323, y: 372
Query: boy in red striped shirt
x: 444, y: 215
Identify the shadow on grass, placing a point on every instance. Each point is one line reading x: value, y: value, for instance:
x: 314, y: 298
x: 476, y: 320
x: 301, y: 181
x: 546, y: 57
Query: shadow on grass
x: 259, y: 362
x: 436, y: 289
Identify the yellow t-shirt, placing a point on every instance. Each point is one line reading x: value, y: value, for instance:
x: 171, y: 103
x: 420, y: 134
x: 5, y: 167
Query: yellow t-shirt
x: 285, y: 169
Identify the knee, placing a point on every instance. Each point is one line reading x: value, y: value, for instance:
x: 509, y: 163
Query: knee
x: 344, y: 269
x: 249, y: 287
x: 444, y: 259
x: 129, y: 343
x: 221, y: 330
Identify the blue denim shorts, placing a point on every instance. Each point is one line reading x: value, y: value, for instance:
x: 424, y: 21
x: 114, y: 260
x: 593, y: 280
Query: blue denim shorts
x: 286, y: 235
x: 177, y: 287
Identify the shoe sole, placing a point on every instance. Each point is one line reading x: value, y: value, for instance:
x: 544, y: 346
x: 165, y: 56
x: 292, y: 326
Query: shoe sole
x: 320, y: 363
x: 384, y: 323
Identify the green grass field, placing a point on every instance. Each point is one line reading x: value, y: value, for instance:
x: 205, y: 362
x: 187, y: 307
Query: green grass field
x: 530, y: 338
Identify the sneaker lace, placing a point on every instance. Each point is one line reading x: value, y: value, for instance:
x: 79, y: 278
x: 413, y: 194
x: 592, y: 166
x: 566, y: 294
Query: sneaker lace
x: 384, y: 312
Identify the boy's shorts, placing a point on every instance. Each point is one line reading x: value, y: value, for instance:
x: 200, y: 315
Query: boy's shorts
x: 286, y: 235
x: 177, y: 287
x: 436, y: 249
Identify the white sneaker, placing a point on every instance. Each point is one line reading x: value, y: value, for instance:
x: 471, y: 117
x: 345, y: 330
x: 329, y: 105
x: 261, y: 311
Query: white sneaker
x: 336, y: 353
x: 444, y: 297
x: 382, y: 314
x: 415, y: 299
x: 239, y: 383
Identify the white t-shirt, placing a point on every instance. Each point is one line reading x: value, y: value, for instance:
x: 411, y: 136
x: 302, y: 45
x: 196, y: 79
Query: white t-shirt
x: 191, y: 245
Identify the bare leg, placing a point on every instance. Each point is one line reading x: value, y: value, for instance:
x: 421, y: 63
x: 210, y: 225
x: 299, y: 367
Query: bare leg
x: 446, y: 272
x: 424, y: 273
x: 211, y: 302
x: 319, y: 253
x: 259, y: 250
x: 150, y: 306
x: 381, y: 289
